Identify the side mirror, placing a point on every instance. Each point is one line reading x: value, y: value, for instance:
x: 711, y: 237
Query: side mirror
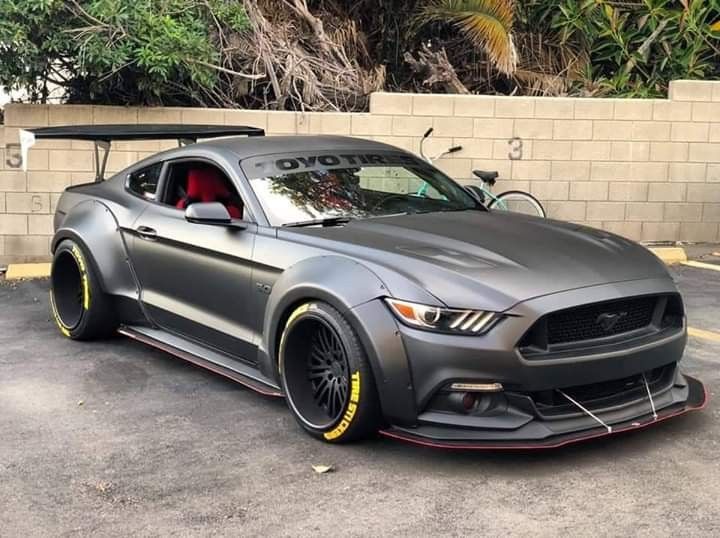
x: 475, y: 192
x: 210, y: 213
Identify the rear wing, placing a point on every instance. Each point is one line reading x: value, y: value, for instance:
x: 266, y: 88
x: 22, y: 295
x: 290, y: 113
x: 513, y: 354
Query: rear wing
x: 104, y: 135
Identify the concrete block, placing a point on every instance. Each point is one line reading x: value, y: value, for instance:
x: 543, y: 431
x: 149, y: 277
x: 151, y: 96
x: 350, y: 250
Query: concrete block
x: 514, y: 107
x: 702, y: 152
x: 711, y: 212
x: 493, y: 128
x: 38, y: 159
x: 669, y: 151
x: 475, y: 148
x: 606, y: 211
x: 119, y: 160
x: 656, y: 131
x: 54, y: 199
x: 2, y: 202
x: 212, y: 116
x: 476, y: 106
x: 705, y: 111
x: 682, y: 212
x: 590, y: 151
x: 19, y: 115
x: 569, y: 170
x: 47, y: 181
x: 629, y: 230
x: 102, y: 115
x: 159, y: 115
x: 71, y: 161
x: 703, y: 192
x: 622, y: 191
x: 452, y: 126
x: 594, y: 109
x: 570, y: 211
x: 687, y: 172
x: 660, y: 231
x: 27, y: 245
x: 554, y: 107
x: 248, y: 118
x: 714, y: 135
x: 411, y: 126
x: 330, y: 123
x: 666, y: 192
x: 609, y: 171
x: 572, y: 130
x: 611, y: 130
x: 371, y: 124
x: 534, y: 129
x: 633, y: 109
x: 531, y: 170
x: 698, y: 232
x: 456, y: 168
x: 647, y: 172
x: 407, y: 143
x: 690, y: 90
x: 550, y: 190
x: 552, y: 150
x: 589, y: 190
x: 70, y: 115
x: 40, y: 224
x: 687, y: 131
x: 25, y: 202
x: 672, y: 111
x: 630, y: 151
x: 433, y: 104
x: 713, y: 173
x: 13, y: 225
x: 644, y: 211
x: 716, y: 92
x: 391, y: 103
x: 13, y: 181
x: 280, y: 122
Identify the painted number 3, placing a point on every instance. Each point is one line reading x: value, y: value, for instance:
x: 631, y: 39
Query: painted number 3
x: 516, y: 148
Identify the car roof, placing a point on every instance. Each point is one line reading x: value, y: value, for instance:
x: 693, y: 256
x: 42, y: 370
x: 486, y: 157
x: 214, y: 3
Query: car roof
x: 244, y: 147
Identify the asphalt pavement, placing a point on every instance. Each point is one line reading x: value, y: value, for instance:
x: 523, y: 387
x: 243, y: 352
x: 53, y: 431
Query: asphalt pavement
x: 116, y: 439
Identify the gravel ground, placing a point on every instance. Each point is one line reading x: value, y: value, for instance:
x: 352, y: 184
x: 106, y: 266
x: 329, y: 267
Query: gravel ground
x: 114, y: 438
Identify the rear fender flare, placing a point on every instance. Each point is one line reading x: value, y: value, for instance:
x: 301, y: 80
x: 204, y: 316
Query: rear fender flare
x: 93, y: 225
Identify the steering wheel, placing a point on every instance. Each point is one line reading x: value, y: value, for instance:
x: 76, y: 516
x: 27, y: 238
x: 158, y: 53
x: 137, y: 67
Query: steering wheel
x: 386, y: 200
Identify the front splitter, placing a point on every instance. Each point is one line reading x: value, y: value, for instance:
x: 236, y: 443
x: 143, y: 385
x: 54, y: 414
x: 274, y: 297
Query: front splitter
x: 697, y: 400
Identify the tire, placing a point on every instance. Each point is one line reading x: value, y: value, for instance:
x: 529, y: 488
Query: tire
x: 326, y: 377
x: 82, y: 311
x: 519, y: 202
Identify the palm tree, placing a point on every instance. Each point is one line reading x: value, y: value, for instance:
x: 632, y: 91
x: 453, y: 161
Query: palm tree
x: 487, y: 24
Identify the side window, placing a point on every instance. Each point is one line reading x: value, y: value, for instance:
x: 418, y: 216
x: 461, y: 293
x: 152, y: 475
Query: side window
x: 145, y: 182
x: 190, y: 182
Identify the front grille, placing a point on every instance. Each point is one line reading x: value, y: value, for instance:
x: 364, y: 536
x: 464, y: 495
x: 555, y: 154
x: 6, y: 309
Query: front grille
x: 600, y: 320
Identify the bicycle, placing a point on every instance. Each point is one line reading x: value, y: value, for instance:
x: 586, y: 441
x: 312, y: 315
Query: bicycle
x: 513, y: 200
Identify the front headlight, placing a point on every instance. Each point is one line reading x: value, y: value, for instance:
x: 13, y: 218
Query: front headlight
x: 443, y: 319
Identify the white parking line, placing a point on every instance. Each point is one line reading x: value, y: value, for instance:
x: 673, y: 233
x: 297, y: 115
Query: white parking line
x: 701, y: 265
x: 705, y: 335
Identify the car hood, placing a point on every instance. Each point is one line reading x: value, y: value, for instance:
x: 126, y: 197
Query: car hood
x: 479, y: 259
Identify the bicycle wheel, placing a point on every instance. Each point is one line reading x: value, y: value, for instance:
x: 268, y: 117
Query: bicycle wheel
x: 518, y: 202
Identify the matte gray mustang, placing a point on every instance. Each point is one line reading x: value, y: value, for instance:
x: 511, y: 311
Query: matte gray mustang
x: 370, y: 290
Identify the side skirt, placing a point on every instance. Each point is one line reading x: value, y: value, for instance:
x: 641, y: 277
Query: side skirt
x: 203, y: 357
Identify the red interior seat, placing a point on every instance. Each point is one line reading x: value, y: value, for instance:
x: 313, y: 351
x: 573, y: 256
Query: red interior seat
x: 206, y: 185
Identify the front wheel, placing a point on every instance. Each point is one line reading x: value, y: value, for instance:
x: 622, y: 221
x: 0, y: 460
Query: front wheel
x: 326, y: 376
x: 518, y: 202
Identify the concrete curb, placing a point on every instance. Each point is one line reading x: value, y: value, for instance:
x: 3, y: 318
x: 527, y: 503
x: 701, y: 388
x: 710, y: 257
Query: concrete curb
x: 17, y: 271
x: 670, y: 255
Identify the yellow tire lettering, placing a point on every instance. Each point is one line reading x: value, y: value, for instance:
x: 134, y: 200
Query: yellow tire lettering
x: 83, y: 276
x: 299, y: 310
x: 58, y: 321
x: 349, y: 412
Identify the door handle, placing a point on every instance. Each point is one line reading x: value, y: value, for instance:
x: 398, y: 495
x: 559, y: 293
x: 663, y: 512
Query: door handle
x: 146, y: 232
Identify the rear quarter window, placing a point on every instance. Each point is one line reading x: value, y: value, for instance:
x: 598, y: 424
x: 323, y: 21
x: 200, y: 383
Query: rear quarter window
x: 144, y: 182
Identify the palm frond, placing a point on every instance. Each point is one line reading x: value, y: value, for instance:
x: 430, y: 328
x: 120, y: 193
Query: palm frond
x: 487, y: 24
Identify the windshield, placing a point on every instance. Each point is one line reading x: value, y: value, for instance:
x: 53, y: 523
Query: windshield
x: 297, y: 188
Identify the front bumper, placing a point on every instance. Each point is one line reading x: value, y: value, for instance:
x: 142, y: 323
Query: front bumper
x: 687, y: 394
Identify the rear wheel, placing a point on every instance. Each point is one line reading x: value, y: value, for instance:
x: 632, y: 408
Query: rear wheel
x: 518, y: 202
x: 326, y: 377
x: 81, y: 309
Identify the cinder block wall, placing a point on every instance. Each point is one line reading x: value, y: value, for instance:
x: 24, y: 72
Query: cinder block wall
x: 646, y: 169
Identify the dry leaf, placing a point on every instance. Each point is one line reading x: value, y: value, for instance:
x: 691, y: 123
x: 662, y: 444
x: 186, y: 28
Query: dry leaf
x: 321, y: 469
